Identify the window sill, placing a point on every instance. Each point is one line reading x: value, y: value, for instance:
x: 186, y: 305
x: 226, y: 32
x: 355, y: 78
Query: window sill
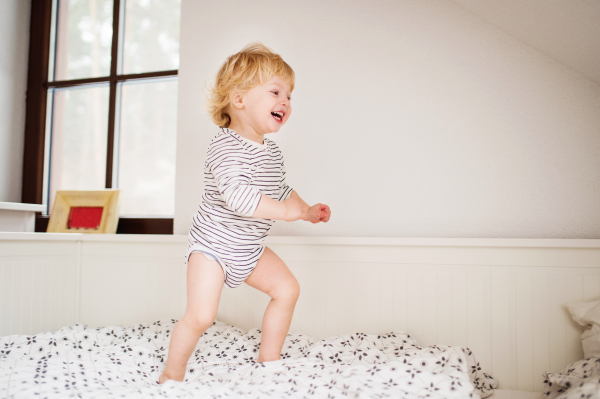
x: 127, y: 225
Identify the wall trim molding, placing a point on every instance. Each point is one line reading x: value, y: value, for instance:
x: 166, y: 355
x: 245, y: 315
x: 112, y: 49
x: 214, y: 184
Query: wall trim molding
x: 343, y: 241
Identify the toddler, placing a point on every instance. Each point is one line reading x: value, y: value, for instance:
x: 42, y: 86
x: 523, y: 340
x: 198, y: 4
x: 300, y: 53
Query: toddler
x: 245, y: 192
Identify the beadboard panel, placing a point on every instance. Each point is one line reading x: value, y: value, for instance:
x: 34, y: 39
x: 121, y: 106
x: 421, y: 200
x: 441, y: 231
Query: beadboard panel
x: 125, y: 291
x: 511, y: 317
x: 504, y: 302
x: 38, y: 286
x: 37, y: 295
x: 140, y: 250
x: 145, y: 281
x: 36, y: 249
x: 460, y: 255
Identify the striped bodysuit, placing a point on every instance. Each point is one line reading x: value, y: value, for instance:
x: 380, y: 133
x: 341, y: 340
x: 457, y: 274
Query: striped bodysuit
x: 236, y: 172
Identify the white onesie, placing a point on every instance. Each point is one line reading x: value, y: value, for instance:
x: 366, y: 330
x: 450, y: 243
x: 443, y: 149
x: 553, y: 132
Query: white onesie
x: 236, y: 172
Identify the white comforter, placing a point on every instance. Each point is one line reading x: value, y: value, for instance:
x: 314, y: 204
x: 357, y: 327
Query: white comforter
x: 578, y: 380
x: 116, y: 362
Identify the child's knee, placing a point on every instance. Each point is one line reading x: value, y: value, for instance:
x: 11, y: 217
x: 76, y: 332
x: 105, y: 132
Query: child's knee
x: 295, y: 290
x: 199, y: 322
x: 290, y: 291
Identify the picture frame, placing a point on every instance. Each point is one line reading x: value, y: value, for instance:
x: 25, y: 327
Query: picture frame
x: 85, y: 211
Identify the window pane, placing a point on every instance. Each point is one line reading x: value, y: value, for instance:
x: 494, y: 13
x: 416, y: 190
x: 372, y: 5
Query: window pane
x: 146, y: 171
x: 79, y: 137
x: 84, y: 38
x: 151, y: 35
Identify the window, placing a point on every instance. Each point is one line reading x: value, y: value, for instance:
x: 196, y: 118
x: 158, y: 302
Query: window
x: 102, y: 105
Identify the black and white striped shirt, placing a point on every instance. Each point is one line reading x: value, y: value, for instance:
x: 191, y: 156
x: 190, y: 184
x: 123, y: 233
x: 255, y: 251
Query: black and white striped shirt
x: 236, y: 172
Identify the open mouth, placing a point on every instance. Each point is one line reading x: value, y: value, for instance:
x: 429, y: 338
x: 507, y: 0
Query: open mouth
x: 278, y: 115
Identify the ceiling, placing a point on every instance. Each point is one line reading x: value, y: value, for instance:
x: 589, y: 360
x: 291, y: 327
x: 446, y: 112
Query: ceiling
x: 566, y: 30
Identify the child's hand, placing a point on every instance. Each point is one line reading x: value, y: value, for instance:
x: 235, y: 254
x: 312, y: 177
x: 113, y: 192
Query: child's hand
x: 318, y: 213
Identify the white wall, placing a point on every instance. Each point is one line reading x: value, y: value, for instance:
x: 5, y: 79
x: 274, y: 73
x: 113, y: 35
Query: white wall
x: 14, y: 50
x: 412, y: 118
x: 565, y: 30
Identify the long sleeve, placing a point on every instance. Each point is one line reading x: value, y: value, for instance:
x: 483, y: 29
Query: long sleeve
x: 284, y: 190
x: 233, y: 177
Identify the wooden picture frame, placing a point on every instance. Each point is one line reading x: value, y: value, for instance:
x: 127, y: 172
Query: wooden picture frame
x: 85, y: 211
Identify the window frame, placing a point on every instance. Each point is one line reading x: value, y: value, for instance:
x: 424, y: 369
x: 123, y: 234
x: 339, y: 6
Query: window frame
x: 38, y: 87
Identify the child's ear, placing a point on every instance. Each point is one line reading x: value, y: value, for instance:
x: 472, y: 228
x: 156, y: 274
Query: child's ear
x: 237, y: 100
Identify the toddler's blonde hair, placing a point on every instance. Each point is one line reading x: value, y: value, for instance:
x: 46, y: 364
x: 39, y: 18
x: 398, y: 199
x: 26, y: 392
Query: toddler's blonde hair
x: 251, y: 67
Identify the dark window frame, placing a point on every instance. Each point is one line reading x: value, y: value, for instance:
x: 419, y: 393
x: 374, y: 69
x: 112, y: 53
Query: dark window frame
x: 35, y: 124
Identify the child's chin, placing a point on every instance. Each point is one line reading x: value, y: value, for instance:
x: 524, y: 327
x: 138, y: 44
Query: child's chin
x: 276, y: 125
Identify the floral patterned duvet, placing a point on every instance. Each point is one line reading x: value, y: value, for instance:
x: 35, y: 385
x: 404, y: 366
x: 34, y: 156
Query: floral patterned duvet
x: 578, y: 380
x: 116, y: 362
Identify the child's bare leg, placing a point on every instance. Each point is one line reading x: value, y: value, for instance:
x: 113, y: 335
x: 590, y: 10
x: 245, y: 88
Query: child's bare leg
x: 204, y: 284
x: 273, y: 277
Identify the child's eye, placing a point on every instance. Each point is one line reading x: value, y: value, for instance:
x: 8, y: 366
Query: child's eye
x: 275, y: 92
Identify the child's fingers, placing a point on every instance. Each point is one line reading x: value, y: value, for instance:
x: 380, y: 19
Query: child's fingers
x: 314, y: 214
x: 325, y: 213
x: 321, y: 213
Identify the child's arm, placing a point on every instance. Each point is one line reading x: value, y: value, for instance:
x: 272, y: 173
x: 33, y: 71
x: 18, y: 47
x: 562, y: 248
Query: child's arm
x: 293, y: 208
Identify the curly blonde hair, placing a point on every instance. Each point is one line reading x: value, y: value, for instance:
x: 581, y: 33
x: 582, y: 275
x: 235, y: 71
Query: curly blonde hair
x: 251, y: 67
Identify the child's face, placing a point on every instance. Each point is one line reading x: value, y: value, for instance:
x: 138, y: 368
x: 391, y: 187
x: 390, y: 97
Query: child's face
x: 267, y: 107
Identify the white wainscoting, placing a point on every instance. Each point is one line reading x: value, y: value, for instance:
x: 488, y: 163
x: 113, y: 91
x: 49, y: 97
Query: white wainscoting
x: 133, y: 281
x: 38, y: 285
x: 503, y: 298
x: 48, y: 281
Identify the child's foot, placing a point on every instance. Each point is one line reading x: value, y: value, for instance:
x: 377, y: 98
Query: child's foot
x: 164, y: 378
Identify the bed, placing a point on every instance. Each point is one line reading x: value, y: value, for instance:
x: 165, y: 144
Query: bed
x: 115, y: 361
x: 502, y: 299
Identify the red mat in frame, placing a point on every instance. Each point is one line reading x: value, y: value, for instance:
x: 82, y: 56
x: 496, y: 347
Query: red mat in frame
x: 85, y: 211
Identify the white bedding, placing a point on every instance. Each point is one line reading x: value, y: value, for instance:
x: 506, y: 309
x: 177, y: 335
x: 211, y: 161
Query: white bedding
x: 577, y: 380
x: 117, y: 361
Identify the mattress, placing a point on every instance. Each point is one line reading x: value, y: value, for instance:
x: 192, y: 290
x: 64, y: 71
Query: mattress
x: 117, y: 361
